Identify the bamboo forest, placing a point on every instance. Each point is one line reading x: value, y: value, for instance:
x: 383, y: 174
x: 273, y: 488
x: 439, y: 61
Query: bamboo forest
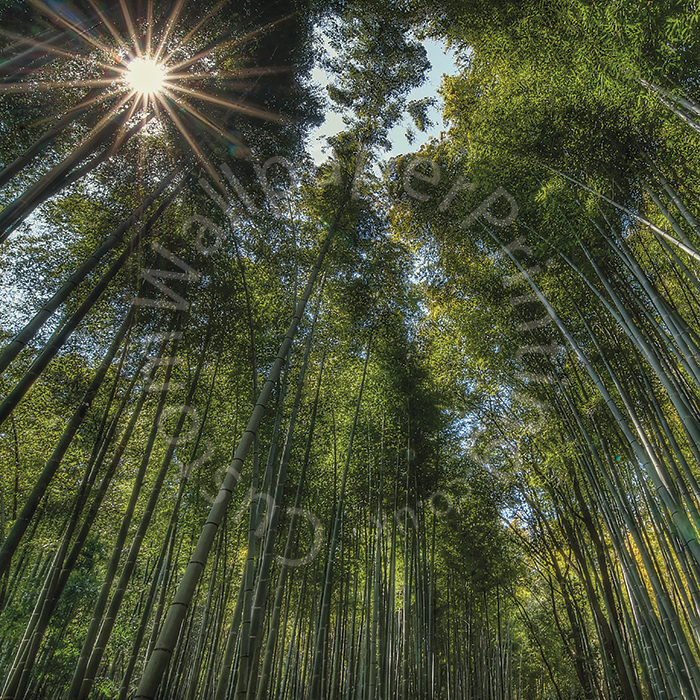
x: 367, y: 421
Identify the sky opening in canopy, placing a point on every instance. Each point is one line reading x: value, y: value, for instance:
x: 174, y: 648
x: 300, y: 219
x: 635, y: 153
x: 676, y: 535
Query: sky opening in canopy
x: 442, y: 60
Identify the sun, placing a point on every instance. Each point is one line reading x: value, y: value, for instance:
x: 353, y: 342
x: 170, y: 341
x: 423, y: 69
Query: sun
x: 145, y: 76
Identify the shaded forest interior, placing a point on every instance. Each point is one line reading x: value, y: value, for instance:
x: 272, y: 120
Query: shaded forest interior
x: 377, y: 428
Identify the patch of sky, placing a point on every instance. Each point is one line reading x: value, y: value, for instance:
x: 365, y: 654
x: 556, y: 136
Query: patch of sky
x: 441, y: 60
x: 16, y: 301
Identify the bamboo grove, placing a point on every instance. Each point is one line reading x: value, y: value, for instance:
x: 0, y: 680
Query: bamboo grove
x: 426, y: 427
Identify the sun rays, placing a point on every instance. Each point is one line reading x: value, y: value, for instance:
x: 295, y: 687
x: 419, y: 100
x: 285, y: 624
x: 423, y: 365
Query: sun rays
x: 141, y: 66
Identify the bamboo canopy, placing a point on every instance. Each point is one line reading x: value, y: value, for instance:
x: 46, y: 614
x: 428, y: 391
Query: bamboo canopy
x: 368, y: 425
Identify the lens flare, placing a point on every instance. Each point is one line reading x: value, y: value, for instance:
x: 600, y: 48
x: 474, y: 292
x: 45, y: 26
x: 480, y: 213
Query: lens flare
x: 158, y: 76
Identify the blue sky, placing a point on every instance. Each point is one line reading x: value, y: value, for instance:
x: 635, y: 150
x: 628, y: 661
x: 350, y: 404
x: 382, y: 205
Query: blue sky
x: 441, y: 62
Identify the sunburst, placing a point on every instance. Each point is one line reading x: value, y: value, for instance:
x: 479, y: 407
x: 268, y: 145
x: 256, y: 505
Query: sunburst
x: 146, y: 76
x: 141, y: 68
